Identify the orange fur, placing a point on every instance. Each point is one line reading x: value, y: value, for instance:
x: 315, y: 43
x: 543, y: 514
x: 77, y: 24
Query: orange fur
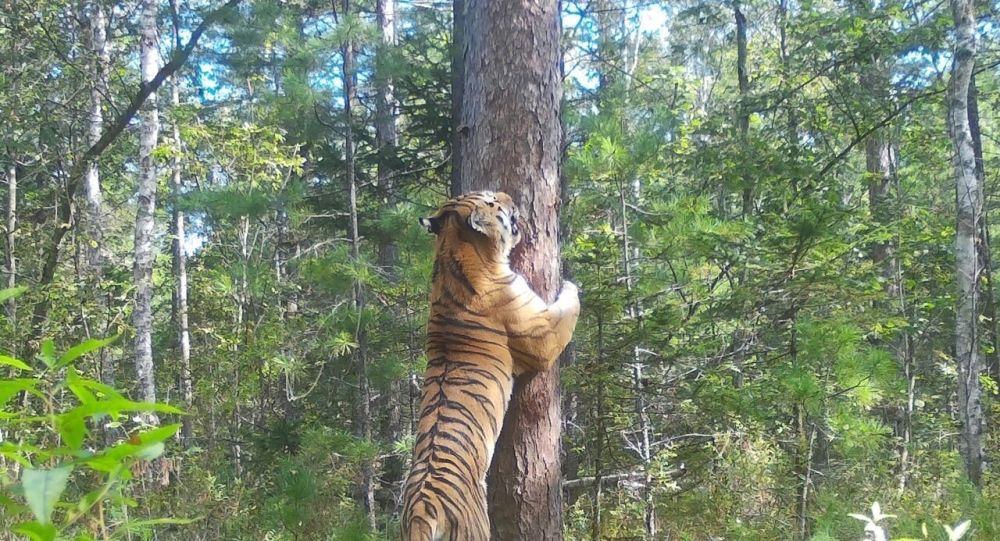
x: 486, y: 325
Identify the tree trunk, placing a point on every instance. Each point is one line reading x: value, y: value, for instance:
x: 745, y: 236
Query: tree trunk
x: 386, y: 124
x: 600, y: 436
x: 511, y: 142
x: 969, y: 207
x: 10, y: 237
x: 880, y: 168
x: 387, y: 141
x: 630, y: 257
x: 792, y: 121
x: 362, y: 412
x: 142, y: 316
x: 458, y: 48
x: 572, y: 458
x: 180, y: 257
x: 64, y: 206
x: 93, y: 218
x: 743, y: 115
x: 985, y: 256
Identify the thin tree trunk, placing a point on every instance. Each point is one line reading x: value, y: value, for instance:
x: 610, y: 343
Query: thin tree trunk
x: 142, y: 316
x: 743, y: 116
x: 387, y: 141
x: 630, y: 258
x: 880, y: 167
x: 458, y: 48
x: 599, y: 438
x: 511, y: 142
x: 180, y: 257
x: 10, y: 238
x: 572, y: 458
x: 74, y: 176
x: 93, y: 219
x: 240, y: 330
x: 386, y: 124
x: 362, y: 412
x: 986, y: 260
x: 806, y: 478
x: 792, y: 121
x: 969, y: 205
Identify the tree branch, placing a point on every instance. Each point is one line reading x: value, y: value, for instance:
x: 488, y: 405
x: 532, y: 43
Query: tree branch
x: 886, y: 120
x: 64, y: 210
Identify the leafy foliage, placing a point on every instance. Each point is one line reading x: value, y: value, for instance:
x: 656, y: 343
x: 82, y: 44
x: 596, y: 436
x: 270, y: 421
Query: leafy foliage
x: 782, y: 337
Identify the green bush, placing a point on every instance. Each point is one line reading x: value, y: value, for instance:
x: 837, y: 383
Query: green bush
x: 58, y: 477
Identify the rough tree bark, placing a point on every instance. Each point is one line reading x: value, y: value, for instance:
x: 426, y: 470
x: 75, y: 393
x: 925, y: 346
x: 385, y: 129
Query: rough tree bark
x: 511, y: 138
x: 142, y: 315
x: 968, y: 194
x: 458, y: 47
x: 985, y: 259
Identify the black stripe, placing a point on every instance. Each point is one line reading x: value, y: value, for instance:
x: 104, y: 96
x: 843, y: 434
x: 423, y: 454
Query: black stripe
x: 458, y: 273
x: 465, y: 324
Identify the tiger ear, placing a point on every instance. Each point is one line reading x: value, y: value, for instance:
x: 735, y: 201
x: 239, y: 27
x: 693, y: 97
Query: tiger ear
x: 432, y: 223
x: 477, y: 219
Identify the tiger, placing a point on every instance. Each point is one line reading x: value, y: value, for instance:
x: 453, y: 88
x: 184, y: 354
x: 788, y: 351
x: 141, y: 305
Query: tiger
x: 486, y: 326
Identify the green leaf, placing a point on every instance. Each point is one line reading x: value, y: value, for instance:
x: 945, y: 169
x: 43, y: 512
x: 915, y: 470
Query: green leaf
x: 42, y: 489
x: 12, y: 507
x: 139, y: 525
x: 158, y: 435
x: 117, y: 405
x: 150, y: 446
x: 10, y: 361
x: 10, y: 293
x: 79, y: 350
x: 36, y: 531
x: 78, y: 387
x: 72, y: 429
x: 152, y: 451
x: 10, y: 387
x: 48, y: 353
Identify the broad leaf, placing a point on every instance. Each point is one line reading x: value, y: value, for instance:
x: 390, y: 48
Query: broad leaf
x: 48, y: 353
x: 10, y: 387
x: 79, y: 350
x: 36, y: 531
x: 10, y: 361
x: 42, y: 489
x: 151, y: 452
x: 72, y: 429
x: 10, y: 293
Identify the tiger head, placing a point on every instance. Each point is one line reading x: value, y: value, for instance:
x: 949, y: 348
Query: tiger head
x: 478, y: 217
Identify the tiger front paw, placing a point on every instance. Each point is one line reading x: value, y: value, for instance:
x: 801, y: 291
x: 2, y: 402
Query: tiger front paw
x: 570, y: 295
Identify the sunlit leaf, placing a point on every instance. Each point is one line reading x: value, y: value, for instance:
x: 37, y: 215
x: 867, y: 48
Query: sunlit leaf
x: 10, y: 361
x: 36, y: 531
x: 79, y: 350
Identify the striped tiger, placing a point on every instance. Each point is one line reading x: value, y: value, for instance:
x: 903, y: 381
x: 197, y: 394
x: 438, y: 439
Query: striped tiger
x: 486, y: 326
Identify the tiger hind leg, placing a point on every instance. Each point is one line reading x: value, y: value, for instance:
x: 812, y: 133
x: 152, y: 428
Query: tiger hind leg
x: 422, y: 529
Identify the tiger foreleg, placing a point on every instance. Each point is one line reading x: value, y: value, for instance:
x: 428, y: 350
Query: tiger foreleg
x: 538, y: 333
